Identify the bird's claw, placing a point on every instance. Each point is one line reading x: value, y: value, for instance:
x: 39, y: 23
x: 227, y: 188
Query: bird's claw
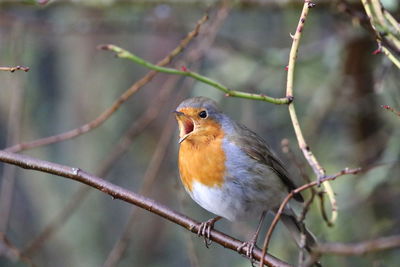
x: 249, y: 247
x: 205, y: 230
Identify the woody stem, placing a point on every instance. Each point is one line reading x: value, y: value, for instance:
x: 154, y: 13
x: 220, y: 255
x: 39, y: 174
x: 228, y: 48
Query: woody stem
x: 122, y: 53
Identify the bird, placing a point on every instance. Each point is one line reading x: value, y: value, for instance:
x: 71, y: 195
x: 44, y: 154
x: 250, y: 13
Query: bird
x: 232, y: 172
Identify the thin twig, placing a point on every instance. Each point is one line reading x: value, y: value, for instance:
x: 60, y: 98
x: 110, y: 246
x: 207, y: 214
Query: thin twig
x: 118, y: 192
x: 209, y: 34
x: 116, y: 105
x: 383, y: 243
x: 313, y: 162
x: 13, y: 129
x: 390, y: 55
x: 351, y: 249
x: 59, y: 220
x: 314, y: 191
x: 302, y: 250
x: 13, y: 136
x: 12, y: 252
x: 13, y: 69
x: 391, y: 109
x: 324, y: 214
x: 122, y: 53
x: 318, y: 170
x: 150, y: 176
x: 296, y: 191
x: 382, y: 23
x: 306, y: 206
x: 137, y: 127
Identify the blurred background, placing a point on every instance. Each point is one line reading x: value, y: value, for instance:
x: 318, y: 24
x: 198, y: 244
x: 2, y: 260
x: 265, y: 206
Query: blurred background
x: 340, y: 86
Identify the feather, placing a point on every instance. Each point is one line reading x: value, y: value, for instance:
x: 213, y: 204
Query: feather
x: 254, y: 146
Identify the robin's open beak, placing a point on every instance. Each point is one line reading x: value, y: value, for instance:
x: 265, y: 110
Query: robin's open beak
x: 186, y: 125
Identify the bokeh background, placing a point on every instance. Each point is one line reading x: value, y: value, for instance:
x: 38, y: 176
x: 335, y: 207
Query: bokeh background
x: 340, y: 86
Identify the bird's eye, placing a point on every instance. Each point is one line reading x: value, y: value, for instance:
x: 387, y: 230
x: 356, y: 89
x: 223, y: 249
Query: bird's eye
x: 203, y: 114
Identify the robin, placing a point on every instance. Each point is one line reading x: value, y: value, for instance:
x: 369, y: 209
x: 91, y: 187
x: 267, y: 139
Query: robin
x: 231, y: 171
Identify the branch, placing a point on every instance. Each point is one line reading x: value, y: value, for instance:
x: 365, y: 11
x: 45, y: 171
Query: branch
x: 116, y: 105
x: 121, y: 147
x: 149, y: 179
x: 154, y: 165
x: 318, y: 170
x: 314, y: 191
x: 13, y: 135
x: 117, y: 192
x: 387, y: 29
x: 122, y: 53
x: 296, y: 191
x: 292, y: 157
x: 13, y: 253
x: 123, y: 144
x: 391, y: 109
x: 383, y: 243
x: 13, y: 69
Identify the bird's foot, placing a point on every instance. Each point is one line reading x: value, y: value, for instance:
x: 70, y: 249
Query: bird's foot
x: 249, y: 248
x: 205, y: 229
x: 250, y: 245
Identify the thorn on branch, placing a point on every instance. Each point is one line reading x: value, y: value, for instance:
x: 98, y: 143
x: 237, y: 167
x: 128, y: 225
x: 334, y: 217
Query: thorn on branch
x: 75, y: 171
x: 13, y: 69
x: 391, y: 109
x: 290, y: 98
x: 310, y: 4
x: 26, y: 69
x: 345, y: 171
x: 377, y: 51
x: 183, y: 68
x: 104, y: 47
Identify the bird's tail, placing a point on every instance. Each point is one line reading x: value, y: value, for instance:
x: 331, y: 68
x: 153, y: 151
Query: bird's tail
x: 296, y: 229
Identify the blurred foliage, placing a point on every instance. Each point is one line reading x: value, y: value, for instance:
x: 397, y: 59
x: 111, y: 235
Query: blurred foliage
x: 339, y: 88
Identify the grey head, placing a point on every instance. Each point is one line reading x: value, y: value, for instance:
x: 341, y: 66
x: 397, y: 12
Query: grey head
x: 200, y: 102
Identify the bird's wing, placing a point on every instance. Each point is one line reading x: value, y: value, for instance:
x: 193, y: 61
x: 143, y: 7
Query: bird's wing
x: 254, y: 146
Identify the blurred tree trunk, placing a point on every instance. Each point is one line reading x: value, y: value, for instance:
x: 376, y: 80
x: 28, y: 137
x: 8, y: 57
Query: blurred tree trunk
x: 364, y: 121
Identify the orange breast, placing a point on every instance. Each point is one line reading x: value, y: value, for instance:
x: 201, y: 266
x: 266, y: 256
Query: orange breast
x: 202, y: 160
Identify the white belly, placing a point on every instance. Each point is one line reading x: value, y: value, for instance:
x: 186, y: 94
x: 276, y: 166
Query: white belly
x: 213, y: 199
x: 223, y: 201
